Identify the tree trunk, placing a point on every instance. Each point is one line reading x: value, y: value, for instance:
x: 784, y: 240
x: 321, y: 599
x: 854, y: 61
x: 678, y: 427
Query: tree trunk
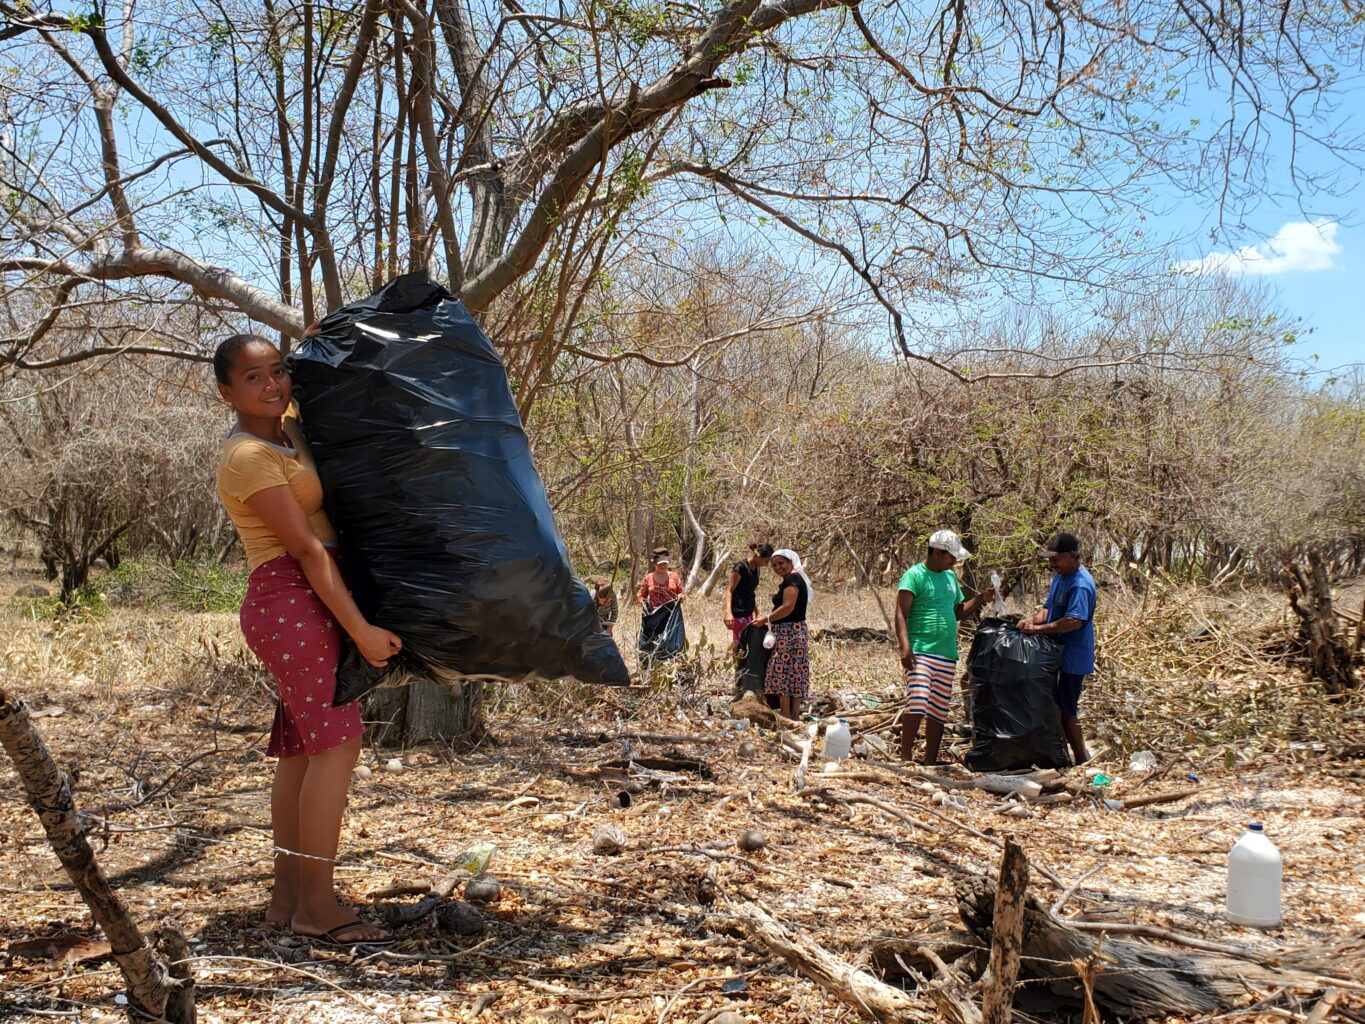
x: 719, y: 571
x: 425, y: 712
x: 1007, y: 930
x: 152, y: 989
x: 1310, y: 595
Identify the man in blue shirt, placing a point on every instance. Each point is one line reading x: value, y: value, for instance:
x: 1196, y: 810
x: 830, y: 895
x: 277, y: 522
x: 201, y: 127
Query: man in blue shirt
x: 1070, y: 614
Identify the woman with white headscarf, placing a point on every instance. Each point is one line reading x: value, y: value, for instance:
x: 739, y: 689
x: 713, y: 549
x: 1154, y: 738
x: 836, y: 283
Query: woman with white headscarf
x: 789, y: 667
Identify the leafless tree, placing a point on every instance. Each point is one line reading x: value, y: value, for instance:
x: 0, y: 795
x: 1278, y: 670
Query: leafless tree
x: 270, y: 162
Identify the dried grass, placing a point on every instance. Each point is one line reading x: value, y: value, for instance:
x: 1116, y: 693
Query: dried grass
x: 646, y: 935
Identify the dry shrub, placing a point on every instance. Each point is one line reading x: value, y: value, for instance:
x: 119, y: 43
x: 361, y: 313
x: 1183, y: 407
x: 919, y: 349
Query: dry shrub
x: 108, y: 463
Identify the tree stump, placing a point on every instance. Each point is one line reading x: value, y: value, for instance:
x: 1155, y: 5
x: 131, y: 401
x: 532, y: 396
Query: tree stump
x: 1130, y: 979
x: 1329, y: 653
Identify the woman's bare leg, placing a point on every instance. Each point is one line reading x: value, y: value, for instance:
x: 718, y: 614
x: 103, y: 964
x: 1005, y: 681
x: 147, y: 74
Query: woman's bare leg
x: 284, y: 819
x: 322, y: 801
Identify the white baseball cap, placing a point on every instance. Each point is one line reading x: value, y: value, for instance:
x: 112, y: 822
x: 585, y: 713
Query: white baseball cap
x: 947, y: 540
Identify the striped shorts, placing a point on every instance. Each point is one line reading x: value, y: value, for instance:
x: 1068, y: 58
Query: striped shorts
x: 929, y: 686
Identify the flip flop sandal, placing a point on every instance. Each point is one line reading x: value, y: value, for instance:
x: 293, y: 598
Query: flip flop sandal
x: 331, y: 940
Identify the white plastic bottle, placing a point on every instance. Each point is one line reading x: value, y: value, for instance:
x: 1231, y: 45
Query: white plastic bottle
x: 1255, y: 871
x: 837, y: 741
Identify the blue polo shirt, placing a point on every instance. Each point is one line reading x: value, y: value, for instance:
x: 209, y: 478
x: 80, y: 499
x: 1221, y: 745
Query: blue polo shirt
x: 1074, y: 596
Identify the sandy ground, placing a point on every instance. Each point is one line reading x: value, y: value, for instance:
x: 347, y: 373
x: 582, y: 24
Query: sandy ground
x: 170, y: 704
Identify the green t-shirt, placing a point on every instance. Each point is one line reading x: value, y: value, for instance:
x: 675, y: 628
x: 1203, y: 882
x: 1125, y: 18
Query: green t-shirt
x: 932, y: 622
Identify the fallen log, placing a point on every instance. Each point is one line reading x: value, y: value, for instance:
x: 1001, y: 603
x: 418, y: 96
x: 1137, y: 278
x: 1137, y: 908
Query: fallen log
x: 659, y: 764
x: 1130, y: 979
x: 856, y: 988
x: 752, y: 707
x: 895, y: 957
x: 156, y: 990
x: 1132, y: 803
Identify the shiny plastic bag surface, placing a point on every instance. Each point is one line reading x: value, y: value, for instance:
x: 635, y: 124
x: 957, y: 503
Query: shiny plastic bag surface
x: 447, y: 536
x: 1015, y: 719
x: 751, y: 666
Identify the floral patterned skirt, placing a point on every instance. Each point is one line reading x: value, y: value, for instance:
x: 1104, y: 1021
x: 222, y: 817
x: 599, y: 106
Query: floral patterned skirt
x: 289, y: 628
x: 738, y: 629
x: 789, y: 666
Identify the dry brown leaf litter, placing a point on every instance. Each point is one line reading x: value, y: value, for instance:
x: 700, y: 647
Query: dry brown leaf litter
x: 165, y: 712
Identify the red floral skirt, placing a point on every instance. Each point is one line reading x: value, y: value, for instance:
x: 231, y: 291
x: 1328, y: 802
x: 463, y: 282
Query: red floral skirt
x: 740, y: 622
x: 289, y: 628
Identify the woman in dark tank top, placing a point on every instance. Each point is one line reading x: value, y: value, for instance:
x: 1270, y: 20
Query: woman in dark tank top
x: 741, y: 600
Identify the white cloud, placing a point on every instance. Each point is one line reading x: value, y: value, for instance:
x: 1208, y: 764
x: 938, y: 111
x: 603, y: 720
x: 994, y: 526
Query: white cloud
x: 1299, y: 245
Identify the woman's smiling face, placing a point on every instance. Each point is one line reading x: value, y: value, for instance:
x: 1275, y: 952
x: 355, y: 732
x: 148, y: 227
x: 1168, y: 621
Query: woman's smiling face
x: 781, y: 566
x: 258, y: 383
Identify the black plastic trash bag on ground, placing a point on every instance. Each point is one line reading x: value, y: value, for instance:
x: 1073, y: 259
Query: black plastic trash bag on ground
x: 1015, y: 719
x: 447, y: 536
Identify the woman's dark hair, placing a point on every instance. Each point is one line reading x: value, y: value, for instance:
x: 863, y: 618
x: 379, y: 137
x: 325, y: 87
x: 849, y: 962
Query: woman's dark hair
x: 603, y: 589
x: 227, y: 351
x: 762, y: 550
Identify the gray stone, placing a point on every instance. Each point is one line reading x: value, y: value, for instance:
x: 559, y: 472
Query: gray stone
x: 461, y: 918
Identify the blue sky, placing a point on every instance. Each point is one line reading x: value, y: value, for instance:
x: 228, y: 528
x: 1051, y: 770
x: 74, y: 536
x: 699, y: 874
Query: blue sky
x: 1314, y: 266
x: 1307, y: 249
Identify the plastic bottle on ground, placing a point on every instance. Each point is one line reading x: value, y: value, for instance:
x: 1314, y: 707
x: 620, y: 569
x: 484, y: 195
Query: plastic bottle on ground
x: 837, y: 741
x: 1255, y: 872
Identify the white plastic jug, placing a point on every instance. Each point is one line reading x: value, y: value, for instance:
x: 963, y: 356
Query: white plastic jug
x: 837, y: 741
x: 1254, y: 875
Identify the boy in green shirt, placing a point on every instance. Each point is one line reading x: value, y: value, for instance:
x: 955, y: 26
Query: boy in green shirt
x: 929, y: 602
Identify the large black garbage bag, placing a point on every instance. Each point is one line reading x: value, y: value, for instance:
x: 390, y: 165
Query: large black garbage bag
x: 1015, y: 719
x: 662, y: 633
x: 447, y: 536
x: 751, y: 663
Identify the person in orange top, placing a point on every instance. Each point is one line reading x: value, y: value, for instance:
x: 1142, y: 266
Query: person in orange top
x: 660, y: 595
x: 296, y: 606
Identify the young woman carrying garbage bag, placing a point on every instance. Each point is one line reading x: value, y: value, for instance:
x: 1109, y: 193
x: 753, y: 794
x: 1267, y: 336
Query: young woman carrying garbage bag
x: 296, y: 608
x: 661, y: 619
x: 788, y: 674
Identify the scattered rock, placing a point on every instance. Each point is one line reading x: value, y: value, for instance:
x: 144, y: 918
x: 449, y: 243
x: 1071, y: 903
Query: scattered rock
x: 32, y: 590
x: 747, y: 749
x: 751, y: 841
x: 608, y: 840
x: 393, y: 765
x: 873, y: 746
x: 362, y: 771
x: 724, y: 1017
x: 461, y: 918
x: 482, y: 890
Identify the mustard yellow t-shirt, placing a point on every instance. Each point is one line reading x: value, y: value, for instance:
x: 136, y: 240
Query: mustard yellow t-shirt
x: 249, y: 464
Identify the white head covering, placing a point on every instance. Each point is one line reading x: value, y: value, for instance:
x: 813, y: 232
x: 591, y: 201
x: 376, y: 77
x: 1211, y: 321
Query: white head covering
x: 797, y: 568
